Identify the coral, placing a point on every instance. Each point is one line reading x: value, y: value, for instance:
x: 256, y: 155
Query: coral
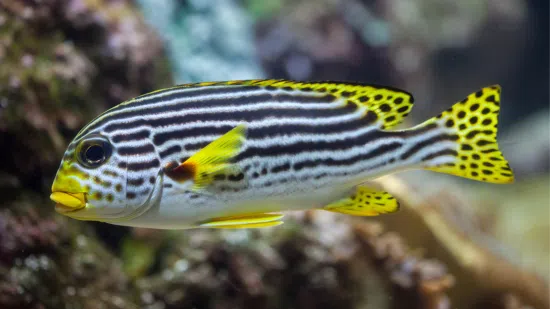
x: 63, y: 62
x: 49, y: 263
x: 315, y: 260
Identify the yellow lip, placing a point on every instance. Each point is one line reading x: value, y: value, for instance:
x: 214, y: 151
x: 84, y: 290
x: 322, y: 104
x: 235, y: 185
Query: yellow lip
x: 68, y: 201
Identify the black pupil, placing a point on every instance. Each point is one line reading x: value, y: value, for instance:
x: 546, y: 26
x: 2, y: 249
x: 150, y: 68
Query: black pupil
x: 95, y: 154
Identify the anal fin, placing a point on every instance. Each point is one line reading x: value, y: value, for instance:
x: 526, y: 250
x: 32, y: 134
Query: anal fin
x: 244, y: 222
x: 365, y: 202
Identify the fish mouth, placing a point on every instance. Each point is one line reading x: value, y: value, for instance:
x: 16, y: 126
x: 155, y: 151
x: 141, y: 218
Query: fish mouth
x: 68, y: 202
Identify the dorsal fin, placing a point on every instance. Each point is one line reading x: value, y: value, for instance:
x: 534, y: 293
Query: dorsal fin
x: 391, y: 105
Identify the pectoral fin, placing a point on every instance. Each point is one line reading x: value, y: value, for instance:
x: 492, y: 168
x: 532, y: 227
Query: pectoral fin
x: 365, y: 202
x: 244, y: 221
x: 211, y: 160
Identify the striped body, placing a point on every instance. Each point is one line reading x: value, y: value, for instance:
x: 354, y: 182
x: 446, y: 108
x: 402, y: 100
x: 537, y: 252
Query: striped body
x: 307, y: 144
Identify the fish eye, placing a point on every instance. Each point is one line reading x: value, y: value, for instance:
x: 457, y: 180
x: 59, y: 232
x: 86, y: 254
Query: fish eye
x: 94, y: 151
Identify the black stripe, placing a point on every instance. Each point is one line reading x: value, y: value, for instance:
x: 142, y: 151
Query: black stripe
x: 123, y: 137
x: 135, y: 150
x: 306, y: 146
x: 141, y: 166
x: 185, y: 92
x: 446, y: 152
x: 435, y: 139
x: 244, y: 100
x: 240, y: 116
x: 349, y: 161
x: 421, y: 130
x: 276, y: 131
x: 170, y: 151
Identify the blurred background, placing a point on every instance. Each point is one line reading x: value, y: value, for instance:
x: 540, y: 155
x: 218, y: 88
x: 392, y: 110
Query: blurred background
x: 455, y: 244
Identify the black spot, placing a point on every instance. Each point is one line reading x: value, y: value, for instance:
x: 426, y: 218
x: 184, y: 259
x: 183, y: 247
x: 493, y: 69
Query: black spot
x: 136, y: 182
x: 450, y: 123
x: 322, y: 89
x: 487, y: 172
x: 472, y: 134
x: 475, y: 174
x: 398, y: 101
x: 473, y: 165
x: 118, y: 188
x: 378, y: 97
x: 390, y: 119
x: 483, y: 142
x: 270, y: 87
x: 495, y: 159
x: 462, y: 126
x: 348, y: 93
x: 237, y: 177
x: 287, y: 88
x: 464, y: 157
x: 255, y: 175
x: 385, y: 107
x: 462, y: 167
x: 485, y: 111
x: 152, y: 180
x: 364, y: 99
x: 402, y: 109
x: 479, y: 94
x: 307, y: 89
x: 370, y: 117
x: 473, y: 120
x: 264, y: 171
x: 488, y: 164
x: 474, y: 107
x: 476, y: 156
x: 130, y: 195
x: 467, y: 147
x: 486, y: 122
x: 491, y: 98
x: 506, y: 174
x: 461, y: 114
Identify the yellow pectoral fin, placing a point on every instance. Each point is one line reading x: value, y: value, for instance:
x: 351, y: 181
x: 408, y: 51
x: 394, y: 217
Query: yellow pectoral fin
x: 211, y: 160
x: 365, y: 202
x: 244, y: 221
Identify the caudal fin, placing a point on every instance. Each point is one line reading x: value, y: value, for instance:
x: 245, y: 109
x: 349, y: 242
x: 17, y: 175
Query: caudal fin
x: 474, y: 123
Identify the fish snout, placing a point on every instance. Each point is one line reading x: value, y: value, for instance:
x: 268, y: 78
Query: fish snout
x: 68, y: 202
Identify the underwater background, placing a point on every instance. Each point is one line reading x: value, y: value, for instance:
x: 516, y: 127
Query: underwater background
x: 455, y: 243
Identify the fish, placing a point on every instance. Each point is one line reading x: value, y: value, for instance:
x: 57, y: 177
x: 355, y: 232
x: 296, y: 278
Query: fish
x: 239, y: 154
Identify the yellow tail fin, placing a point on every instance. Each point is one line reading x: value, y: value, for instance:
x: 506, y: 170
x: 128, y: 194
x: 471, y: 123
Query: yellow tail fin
x: 474, y: 120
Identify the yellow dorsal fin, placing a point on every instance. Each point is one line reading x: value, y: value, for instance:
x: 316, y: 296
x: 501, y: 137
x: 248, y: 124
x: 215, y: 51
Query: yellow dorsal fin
x: 214, y: 158
x: 365, y: 202
x: 244, y: 221
x: 390, y: 105
x: 474, y: 123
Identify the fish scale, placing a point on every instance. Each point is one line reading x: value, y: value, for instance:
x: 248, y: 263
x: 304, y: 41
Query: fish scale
x: 228, y: 152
